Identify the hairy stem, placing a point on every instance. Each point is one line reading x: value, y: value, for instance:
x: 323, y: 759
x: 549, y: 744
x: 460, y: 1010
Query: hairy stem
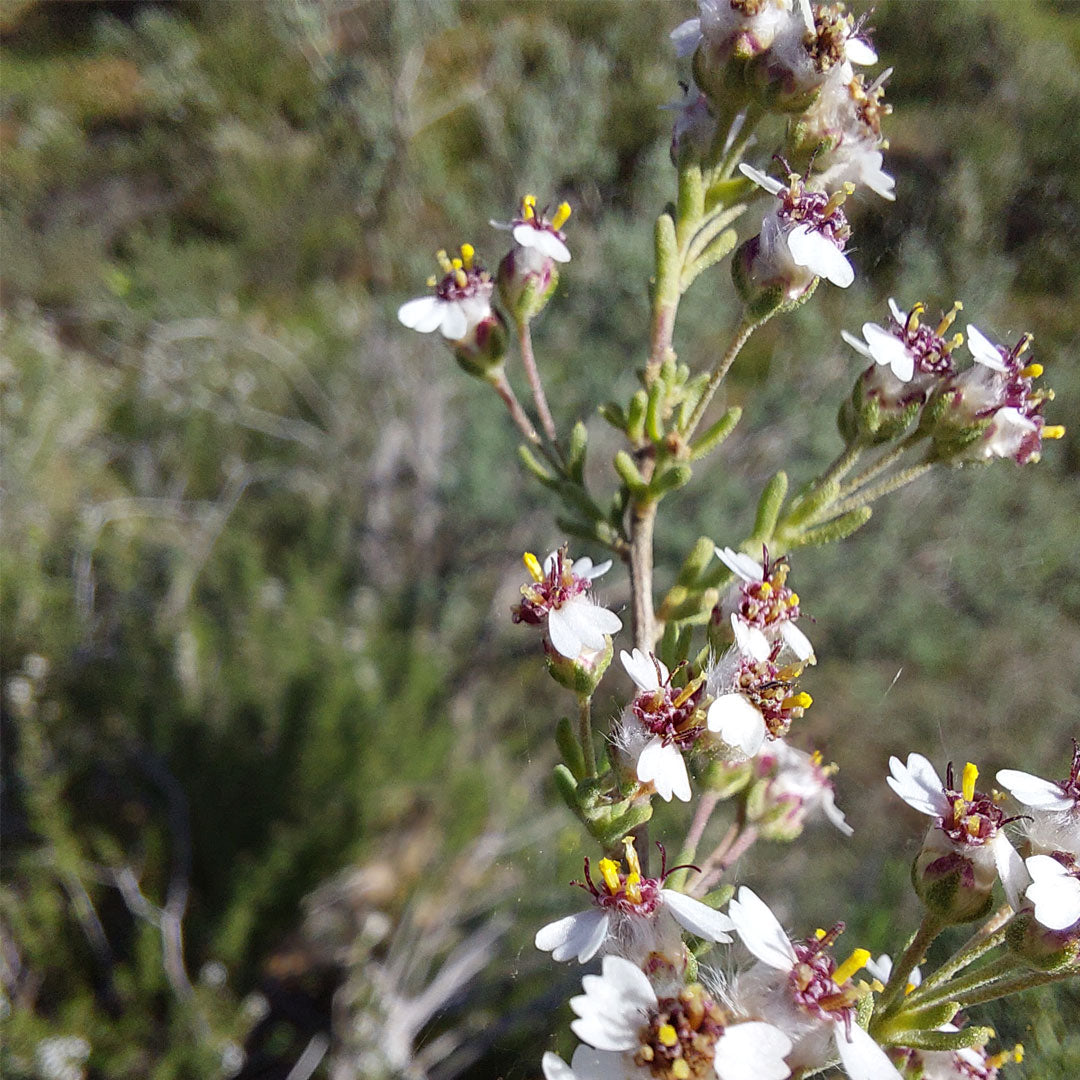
x: 585, y: 734
x: 704, y: 811
x: 742, y: 336
x: 532, y: 373
x: 914, y: 955
x: 879, y: 466
x: 987, y: 937
x: 871, y: 494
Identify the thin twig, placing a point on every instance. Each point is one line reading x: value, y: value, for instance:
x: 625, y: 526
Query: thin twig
x: 532, y: 373
x: 742, y: 336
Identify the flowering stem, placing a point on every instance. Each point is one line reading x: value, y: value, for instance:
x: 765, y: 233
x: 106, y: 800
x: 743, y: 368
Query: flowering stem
x: 689, y: 848
x: 871, y: 494
x: 1024, y: 980
x: 879, y: 466
x: 742, y: 336
x: 532, y: 373
x: 502, y: 387
x: 987, y: 937
x: 642, y: 523
x: 585, y: 734
x: 958, y: 989
x: 893, y: 993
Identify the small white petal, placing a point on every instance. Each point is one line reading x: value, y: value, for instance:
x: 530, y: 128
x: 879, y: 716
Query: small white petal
x: 807, y: 13
x: 642, y: 668
x: 773, y: 187
x: 590, y: 1064
x: 737, y: 722
x: 889, y: 350
x: 858, y: 51
x: 750, y: 640
x: 578, y: 936
x: 455, y: 323
x: 820, y: 255
x: 796, y: 641
x: 862, y: 1057
x: 1010, y: 868
x: 423, y: 314
x: 746, y: 567
x: 612, y: 1007
x: 686, y: 36
x: 857, y: 345
x: 1054, y: 892
x: 547, y: 243
x: 664, y: 768
x: 752, y: 1051
x: 1034, y: 791
x: 588, y: 623
x: 555, y: 1068
x: 700, y: 919
x: 918, y: 784
x: 563, y: 633
x: 983, y: 350
x: 584, y: 567
x: 899, y: 317
x: 761, y: 931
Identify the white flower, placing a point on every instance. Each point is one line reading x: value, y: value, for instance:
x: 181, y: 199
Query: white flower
x: 1053, y: 823
x: 804, y: 783
x: 800, y: 235
x: 764, y: 618
x: 461, y: 302
x: 737, y: 722
x: 1055, y: 892
x: 885, y: 349
x: 821, y: 1017
x: 721, y: 24
x: 620, y: 1015
x: 558, y: 598
x: 654, y: 727
x: 632, y: 916
x: 540, y: 237
x: 881, y: 968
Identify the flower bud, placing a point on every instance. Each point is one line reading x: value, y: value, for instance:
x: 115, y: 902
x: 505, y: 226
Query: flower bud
x: 957, y: 888
x: 1040, y: 948
x: 582, y: 673
x: 528, y: 273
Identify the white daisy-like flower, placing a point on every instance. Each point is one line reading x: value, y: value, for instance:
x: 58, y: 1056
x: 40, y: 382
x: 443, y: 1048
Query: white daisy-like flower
x: 628, y: 1031
x: 1054, y: 890
x: 461, y: 301
x: 881, y: 968
x: 801, y: 785
x: 764, y: 606
x: 1052, y: 823
x: 658, y: 724
x: 906, y: 346
x: 800, y: 988
x: 632, y: 916
x: 803, y: 237
x: 967, y: 823
x: 539, y: 237
x: 558, y: 598
x: 723, y: 25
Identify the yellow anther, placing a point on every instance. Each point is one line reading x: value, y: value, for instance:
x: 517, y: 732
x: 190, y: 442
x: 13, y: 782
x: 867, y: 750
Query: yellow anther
x: 1018, y: 1053
x: 688, y: 691
x: 801, y: 700
x: 1032, y: 371
x: 877, y: 986
x: 609, y: 871
x: 632, y: 888
x: 468, y: 252
x: 528, y: 207
x: 457, y: 264
x: 461, y: 279
x: 432, y: 281
x: 819, y: 933
x: 855, y: 962
x: 631, y: 856
x: 816, y: 757
x: 948, y: 318
x: 562, y: 215
x: 1053, y: 431
x: 793, y: 600
x: 913, y: 317
x: 666, y: 1035
x: 444, y: 261
x: 954, y: 342
x: 680, y: 1070
x: 967, y: 783
x: 836, y: 200
x: 532, y: 564
x: 909, y: 988
x: 765, y: 588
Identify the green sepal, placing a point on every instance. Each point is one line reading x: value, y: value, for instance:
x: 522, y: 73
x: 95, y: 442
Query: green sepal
x: 712, y: 438
x: 609, y: 830
x: 669, y: 479
x: 630, y: 474
x: 614, y: 414
x: 963, y: 1039
x: 769, y: 505
x: 575, y: 453
x: 533, y: 465
x: 567, y: 742
x: 700, y: 556
x: 1040, y: 949
x: 728, y: 192
x: 578, y: 676
x: 838, y: 529
x: 635, y: 419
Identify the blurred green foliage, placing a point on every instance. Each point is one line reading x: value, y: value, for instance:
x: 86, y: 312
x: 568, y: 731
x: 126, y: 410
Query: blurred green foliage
x: 259, y: 542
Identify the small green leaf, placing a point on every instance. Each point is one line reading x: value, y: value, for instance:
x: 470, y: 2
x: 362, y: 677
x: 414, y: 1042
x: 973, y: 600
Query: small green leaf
x: 635, y: 421
x: 768, y: 510
x: 567, y: 742
x: 700, y: 556
x: 838, y: 529
x: 630, y: 474
x: 541, y: 472
x: 575, y: 454
x: 715, y: 435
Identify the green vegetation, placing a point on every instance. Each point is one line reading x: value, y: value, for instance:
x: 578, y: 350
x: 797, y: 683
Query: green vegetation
x: 260, y: 543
